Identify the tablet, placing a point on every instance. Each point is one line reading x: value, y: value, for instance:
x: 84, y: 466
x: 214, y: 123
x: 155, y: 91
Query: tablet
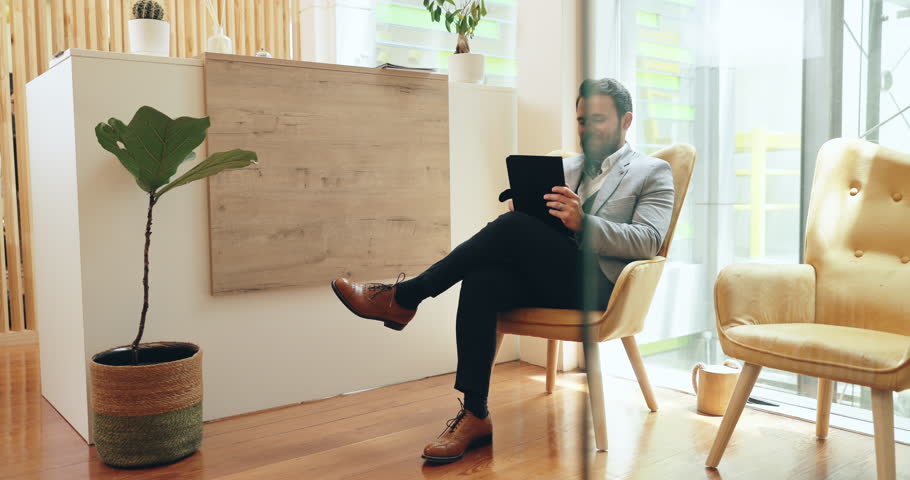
x: 530, y: 178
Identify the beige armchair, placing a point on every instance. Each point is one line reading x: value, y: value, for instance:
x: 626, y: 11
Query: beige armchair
x: 845, y: 314
x: 625, y: 314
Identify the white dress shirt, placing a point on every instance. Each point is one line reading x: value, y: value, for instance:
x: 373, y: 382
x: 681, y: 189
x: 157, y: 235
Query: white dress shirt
x: 591, y: 185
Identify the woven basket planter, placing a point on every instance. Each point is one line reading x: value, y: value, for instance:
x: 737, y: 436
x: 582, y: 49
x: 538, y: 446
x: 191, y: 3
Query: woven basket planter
x: 151, y: 413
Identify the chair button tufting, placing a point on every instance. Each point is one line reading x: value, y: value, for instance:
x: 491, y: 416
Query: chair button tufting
x: 897, y: 197
x: 854, y: 191
x: 905, y: 259
x: 858, y: 253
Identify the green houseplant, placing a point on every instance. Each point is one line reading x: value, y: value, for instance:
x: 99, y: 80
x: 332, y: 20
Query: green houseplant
x: 464, y: 66
x: 147, y: 398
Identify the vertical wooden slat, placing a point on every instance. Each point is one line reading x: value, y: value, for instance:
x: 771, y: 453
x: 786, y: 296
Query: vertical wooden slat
x: 69, y: 24
x: 80, y: 25
x: 201, y: 23
x: 295, y: 34
x: 190, y: 24
x: 116, y: 24
x: 231, y: 20
x: 281, y: 13
x: 6, y: 154
x: 179, y: 25
x: 245, y: 26
x: 261, y: 40
x: 172, y: 19
x: 250, y: 27
x: 127, y: 9
x: 91, y: 15
x: 29, y: 39
x: 270, y: 27
x: 11, y: 222
x: 278, y: 28
x: 275, y: 28
x: 102, y: 8
x: 43, y: 48
x: 57, y: 30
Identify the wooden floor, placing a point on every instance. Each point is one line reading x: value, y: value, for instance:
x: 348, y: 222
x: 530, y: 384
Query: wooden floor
x: 380, y: 434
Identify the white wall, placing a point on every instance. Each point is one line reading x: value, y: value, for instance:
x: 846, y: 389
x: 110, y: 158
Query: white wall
x: 548, y: 78
x: 261, y: 349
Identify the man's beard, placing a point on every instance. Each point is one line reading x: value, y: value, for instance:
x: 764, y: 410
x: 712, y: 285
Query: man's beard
x: 598, y: 154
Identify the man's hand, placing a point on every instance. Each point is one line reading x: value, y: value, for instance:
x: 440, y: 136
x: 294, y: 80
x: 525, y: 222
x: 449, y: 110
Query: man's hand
x: 565, y: 205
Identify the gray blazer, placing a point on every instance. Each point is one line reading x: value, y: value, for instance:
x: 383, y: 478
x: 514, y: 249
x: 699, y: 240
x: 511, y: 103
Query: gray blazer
x: 631, y: 213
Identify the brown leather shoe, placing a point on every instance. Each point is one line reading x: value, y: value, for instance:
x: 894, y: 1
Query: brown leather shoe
x: 375, y: 301
x: 462, y: 432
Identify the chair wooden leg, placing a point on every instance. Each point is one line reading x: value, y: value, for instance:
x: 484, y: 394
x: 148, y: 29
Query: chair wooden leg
x: 640, y: 373
x: 552, y: 362
x: 596, y: 392
x: 823, y: 411
x: 499, y: 338
x: 883, y: 424
x: 734, y: 410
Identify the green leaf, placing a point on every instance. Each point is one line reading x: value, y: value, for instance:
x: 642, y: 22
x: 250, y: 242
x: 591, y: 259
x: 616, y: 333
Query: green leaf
x: 108, y: 139
x: 214, y: 164
x: 449, y: 26
x: 153, y: 145
x: 452, y: 2
x: 425, y: 3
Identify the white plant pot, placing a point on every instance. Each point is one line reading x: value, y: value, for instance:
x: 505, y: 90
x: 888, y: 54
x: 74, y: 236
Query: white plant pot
x: 150, y: 37
x: 466, y: 68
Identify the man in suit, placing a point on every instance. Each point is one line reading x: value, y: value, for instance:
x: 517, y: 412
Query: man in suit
x: 617, y: 200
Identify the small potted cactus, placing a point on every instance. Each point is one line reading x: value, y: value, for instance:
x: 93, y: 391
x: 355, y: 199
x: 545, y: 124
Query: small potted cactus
x: 149, y: 33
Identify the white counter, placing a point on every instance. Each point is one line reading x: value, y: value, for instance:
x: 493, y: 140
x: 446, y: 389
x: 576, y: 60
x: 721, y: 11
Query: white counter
x: 262, y: 349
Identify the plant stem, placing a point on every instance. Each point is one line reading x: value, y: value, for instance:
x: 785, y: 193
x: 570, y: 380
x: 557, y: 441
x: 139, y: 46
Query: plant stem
x: 462, y: 46
x: 145, y: 279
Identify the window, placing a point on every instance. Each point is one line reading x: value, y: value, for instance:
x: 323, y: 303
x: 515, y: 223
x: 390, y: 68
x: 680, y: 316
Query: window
x: 727, y: 77
x: 405, y: 35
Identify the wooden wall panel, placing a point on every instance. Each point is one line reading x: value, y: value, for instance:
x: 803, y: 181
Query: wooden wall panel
x: 42, y: 46
x: 58, y: 31
x: 10, y: 192
x: 353, y: 176
x: 180, y: 26
x: 269, y: 14
x: 261, y: 37
x: 28, y: 38
x: 116, y: 25
x: 171, y: 17
x: 91, y: 27
x: 202, y: 26
x: 104, y: 34
x: 6, y: 163
x: 295, y: 29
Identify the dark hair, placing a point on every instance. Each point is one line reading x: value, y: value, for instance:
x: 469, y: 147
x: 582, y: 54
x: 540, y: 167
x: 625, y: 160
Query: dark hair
x: 610, y: 88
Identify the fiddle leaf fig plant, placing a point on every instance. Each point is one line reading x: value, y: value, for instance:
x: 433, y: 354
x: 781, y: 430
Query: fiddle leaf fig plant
x: 463, y: 19
x: 152, y: 147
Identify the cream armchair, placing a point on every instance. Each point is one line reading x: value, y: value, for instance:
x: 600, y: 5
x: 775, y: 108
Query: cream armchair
x: 845, y: 314
x: 625, y: 314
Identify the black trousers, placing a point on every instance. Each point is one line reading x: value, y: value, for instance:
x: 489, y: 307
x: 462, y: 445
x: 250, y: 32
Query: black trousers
x: 515, y: 261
